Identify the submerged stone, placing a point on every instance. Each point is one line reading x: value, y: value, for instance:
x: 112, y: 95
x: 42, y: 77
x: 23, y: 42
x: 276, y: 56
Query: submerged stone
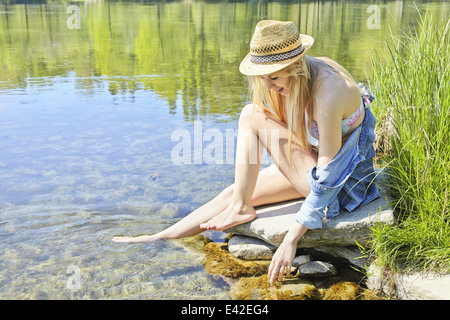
x: 258, y: 288
x: 218, y: 261
x: 342, y: 291
x: 317, y: 269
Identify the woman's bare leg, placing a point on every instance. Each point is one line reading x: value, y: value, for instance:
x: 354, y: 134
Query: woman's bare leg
x: 257, y: 129
x: 247, y: 165
x: 271, y: 187
x: 238, y: 202
x: 189, y: 225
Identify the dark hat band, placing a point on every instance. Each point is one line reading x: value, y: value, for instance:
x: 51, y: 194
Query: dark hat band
x: 278, y: 56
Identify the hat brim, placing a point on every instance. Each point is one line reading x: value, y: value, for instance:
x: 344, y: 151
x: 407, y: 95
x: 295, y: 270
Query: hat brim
x: 259, y: 69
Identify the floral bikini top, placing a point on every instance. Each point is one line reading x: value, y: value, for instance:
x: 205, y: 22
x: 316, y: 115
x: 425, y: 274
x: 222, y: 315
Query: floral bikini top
x: 312, y: 128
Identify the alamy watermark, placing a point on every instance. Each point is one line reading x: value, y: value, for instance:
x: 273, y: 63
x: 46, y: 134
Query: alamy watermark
x: 73, y: 21
x: 74, y: 277
x: 213, y: 146
x: 374, y: 20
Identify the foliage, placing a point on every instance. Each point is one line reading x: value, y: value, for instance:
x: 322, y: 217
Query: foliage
x: 411, y: 82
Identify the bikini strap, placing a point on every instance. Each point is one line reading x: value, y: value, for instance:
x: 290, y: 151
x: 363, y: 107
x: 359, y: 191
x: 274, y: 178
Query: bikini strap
x: 366, y: 95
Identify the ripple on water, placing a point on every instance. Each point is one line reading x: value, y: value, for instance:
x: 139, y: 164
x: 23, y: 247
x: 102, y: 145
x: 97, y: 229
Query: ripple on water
x: 35, y: 263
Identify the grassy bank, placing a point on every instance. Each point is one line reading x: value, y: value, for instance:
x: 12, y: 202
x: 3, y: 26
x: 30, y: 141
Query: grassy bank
x: 410, y: 80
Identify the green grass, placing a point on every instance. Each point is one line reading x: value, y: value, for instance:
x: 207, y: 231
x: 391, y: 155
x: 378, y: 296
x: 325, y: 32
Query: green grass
x: 410, y: 80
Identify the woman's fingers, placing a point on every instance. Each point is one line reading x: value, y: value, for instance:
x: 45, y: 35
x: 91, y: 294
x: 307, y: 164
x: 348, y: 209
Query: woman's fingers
x: 284, y: 256
x: 273, y: 272
x: 280, y: 273
x: 277, y: 271
x: 281, y: 262
x: 288, y: 270
x: 273, y: 276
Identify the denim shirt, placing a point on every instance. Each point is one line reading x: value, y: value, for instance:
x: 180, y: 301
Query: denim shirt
x: 345, y: 182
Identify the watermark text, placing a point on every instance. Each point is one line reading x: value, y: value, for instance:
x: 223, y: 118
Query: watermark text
x: 212, y: 146
x: 74, y: 21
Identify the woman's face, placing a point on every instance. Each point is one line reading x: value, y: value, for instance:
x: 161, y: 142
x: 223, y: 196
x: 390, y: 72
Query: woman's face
x: 279, y: 82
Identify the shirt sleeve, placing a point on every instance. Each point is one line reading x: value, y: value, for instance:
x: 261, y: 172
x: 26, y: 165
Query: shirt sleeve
x: 326, y: 182
x: 322, y: 202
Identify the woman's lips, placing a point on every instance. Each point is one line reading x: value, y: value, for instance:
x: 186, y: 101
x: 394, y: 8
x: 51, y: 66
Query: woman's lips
x: 280, y: 90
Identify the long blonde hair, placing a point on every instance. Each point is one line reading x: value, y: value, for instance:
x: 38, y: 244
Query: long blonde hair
x: 291, y: 109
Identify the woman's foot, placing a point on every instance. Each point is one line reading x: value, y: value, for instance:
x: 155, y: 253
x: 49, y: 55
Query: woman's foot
x: 139, y: 239
x: 229, y: 218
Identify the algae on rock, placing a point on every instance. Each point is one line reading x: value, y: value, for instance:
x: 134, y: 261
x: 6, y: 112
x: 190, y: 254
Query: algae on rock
x: 219, y: 261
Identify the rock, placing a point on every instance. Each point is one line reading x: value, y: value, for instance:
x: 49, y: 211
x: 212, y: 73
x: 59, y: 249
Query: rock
x: 251, y: 288
x: 299, y: 260
x: 218, y: 261
x: 351, y: 254
x: 342, y: 291
x: 40, y: 295
x: 416, y: 286
x: 258, y: 288
x: 317, y: 269
x: 248, y: 248
x: 297, y: 286
x: 376, y: 280
x: 168, y: 210
x: 273, y: 221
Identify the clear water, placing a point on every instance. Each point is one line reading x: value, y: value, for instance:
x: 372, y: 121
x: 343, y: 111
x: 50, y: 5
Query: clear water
x: 76, y: 174
x: 86, y: 123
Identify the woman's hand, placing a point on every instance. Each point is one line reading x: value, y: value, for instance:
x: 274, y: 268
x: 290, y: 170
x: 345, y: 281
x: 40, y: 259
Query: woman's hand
x: 285, y: 254
x: 282, y: 261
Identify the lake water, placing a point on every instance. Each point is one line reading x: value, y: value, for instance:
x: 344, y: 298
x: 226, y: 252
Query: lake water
x: 93, y: 100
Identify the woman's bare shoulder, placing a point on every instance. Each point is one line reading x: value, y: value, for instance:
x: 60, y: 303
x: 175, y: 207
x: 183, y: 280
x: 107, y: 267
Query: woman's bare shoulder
x: 334, y: 92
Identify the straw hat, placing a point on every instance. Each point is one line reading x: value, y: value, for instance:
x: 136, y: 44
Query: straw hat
x: 274, y: 46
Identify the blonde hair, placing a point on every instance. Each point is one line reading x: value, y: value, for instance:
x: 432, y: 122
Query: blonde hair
x: 291, y: 109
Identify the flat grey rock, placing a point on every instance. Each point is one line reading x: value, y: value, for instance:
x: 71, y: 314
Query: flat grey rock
x: 249, y: 248
x: 272, y: 222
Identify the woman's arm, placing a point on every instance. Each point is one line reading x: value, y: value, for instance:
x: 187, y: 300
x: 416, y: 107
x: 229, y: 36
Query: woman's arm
x: 330, y: 108
x: 329, y: 120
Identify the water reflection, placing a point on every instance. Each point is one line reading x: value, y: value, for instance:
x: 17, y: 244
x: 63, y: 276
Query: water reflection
x: 180, y: 50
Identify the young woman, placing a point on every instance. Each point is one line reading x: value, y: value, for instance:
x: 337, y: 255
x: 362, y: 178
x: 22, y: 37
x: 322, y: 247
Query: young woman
x: 293, y: 96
